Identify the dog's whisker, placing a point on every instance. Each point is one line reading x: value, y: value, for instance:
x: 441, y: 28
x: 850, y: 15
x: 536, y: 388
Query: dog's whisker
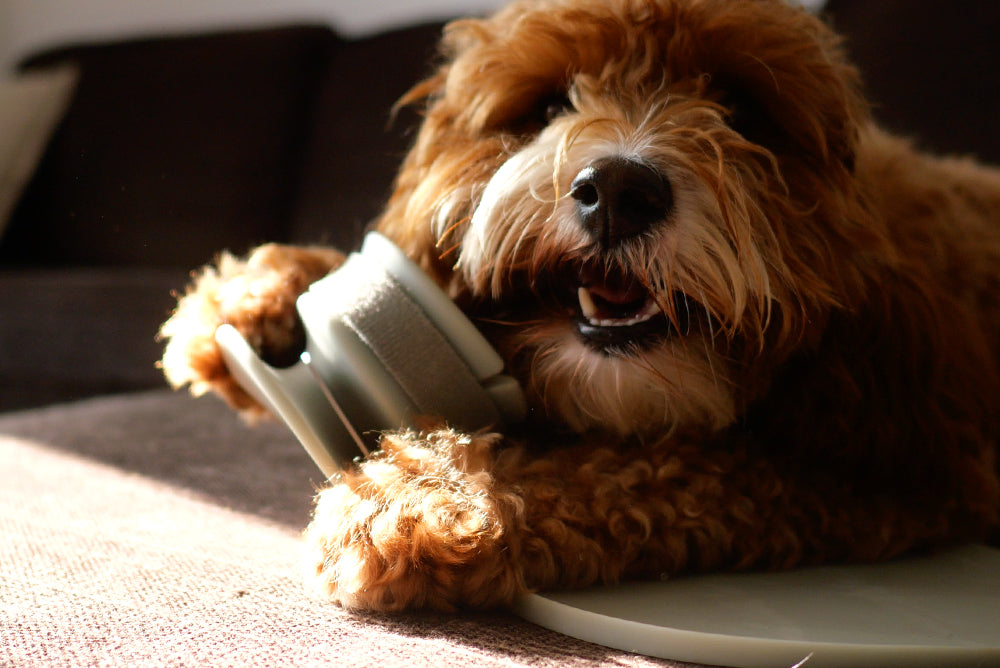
x: 452, y: 228
x: 448, y: 251
x: 711, y: 363
x: 510, y: 323
x: 709, y: 320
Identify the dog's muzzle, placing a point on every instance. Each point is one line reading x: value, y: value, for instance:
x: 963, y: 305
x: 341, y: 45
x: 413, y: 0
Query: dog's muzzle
x: 618, y: 199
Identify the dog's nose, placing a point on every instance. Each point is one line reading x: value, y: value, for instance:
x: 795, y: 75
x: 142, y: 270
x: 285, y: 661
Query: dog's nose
x: 618, y: 198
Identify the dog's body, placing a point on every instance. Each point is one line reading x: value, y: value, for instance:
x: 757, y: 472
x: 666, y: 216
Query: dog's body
x: 755, y: 330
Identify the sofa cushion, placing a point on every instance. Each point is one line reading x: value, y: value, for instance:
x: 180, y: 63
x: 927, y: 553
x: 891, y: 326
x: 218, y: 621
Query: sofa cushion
x: 73, y: 333
x: 173, y: 149
x: 31, y: 106
x: 356, y: 145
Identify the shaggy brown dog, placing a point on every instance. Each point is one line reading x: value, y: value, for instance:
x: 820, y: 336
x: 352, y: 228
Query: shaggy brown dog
x: 755, y: 331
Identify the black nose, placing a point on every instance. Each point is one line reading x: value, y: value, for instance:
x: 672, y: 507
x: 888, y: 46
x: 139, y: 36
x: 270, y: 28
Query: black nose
x: 618, y: 198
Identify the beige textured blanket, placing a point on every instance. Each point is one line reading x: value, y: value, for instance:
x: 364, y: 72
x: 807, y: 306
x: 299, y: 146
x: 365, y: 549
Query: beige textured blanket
x: 154, y: 529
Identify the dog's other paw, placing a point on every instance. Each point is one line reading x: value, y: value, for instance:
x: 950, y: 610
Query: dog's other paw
x: 417, y: 525
x: 257, y: 296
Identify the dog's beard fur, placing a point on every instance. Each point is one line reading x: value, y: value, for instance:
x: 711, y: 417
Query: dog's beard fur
x: 732, y: 266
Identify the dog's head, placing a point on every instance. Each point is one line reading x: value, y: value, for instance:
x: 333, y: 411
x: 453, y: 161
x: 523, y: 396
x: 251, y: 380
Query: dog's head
x: 647, y: 204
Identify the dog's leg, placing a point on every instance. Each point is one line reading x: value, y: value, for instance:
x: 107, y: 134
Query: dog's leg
x: 257, y: 296
x: 443, y: 521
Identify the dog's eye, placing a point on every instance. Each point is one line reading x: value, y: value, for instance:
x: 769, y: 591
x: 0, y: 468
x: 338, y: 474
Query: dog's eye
x: 538, y: 115
x: 555, y: 105
x: 749, y: 118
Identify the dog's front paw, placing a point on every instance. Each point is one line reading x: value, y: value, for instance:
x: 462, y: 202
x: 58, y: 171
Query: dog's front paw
x: 257, y: 296
x: 417, y: 525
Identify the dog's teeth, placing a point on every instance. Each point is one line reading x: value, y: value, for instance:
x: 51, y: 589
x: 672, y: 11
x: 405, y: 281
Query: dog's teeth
x: 587, y: 305
x: 650, y: 309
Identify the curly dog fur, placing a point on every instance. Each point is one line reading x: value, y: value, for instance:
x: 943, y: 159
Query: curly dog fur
x: 777, y: 345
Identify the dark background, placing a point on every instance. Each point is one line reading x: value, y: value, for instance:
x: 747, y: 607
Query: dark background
x: 176, y: 148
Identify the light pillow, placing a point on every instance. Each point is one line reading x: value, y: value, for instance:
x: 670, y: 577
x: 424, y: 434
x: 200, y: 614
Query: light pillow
x: 31, y: 106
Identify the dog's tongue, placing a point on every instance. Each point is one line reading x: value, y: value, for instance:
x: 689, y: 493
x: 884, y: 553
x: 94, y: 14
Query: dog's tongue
x: 612, y: 287
x: 618, y: 294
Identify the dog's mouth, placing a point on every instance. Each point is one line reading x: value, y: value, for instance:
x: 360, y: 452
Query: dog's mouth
x: 611, y: 309
x: 616, y: 310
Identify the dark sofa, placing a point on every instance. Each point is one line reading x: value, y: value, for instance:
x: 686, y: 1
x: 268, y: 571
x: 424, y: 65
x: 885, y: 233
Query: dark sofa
x: 172, y: 150
x: 143, y: 527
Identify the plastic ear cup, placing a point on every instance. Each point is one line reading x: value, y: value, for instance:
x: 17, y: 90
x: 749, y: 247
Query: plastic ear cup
x: 384, y: 344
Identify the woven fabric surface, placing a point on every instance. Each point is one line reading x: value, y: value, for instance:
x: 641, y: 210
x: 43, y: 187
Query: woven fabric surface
x: 153, y: 529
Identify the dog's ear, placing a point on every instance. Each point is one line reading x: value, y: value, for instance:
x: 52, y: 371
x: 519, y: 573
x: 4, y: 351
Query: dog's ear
x: 788, y: 120
x: 748, y: 116
x: 758, y: 124
x: 793, y: 96
x: 534, y: 111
